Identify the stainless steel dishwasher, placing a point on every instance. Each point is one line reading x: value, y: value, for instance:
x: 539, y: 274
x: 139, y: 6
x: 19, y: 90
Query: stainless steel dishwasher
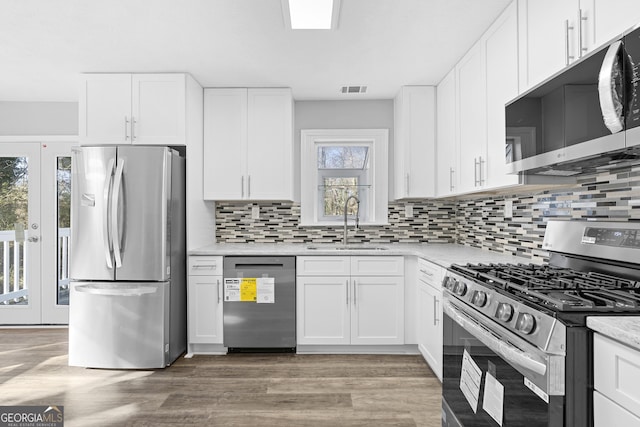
x: 259, y: 303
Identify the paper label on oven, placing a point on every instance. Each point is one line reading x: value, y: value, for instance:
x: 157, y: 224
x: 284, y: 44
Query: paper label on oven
x: 232, y: 289
x: 588, y: 239
x: 537, y: 390
x: 266, y: 290
x: 470, y: 378
x: 493, y: 399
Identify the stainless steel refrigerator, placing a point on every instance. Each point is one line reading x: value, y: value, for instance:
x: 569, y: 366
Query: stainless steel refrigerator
x: 127, y: 306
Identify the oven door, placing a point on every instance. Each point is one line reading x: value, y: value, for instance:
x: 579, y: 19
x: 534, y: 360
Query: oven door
x: 490, y: 375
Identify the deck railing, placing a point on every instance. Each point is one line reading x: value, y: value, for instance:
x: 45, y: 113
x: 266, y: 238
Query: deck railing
x: 13, y: 262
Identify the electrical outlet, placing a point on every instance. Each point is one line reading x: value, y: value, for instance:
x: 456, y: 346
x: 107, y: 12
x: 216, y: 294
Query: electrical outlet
x: 255, y: 212
x: 408, y: 210
x: 508, y: 208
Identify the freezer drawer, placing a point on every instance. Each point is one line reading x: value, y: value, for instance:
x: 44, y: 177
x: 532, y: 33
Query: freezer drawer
x: 253, y: 325
x: 119, y: 325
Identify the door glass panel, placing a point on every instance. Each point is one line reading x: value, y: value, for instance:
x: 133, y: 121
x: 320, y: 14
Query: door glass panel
x: 63, y: 183
x: 14, y: 204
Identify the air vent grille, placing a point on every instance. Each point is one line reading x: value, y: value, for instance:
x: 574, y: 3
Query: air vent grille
x: 353, y: 89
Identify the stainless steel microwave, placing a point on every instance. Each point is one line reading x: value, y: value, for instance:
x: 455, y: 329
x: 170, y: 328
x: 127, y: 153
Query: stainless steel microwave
x: 584, y: 119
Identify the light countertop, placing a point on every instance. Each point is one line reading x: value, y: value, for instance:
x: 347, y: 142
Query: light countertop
x: 443, y: 254
x: 625, y: 329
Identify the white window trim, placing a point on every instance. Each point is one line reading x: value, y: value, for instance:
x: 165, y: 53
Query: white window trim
x: 379, y: 155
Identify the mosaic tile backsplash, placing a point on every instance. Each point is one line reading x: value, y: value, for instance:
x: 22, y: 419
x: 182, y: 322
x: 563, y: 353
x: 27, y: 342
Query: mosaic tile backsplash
x: 477, y: 222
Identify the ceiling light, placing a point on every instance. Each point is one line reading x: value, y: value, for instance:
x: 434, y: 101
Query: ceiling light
x: 311, y: 14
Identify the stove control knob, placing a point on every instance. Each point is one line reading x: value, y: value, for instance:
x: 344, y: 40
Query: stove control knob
x: 526, y: 323
x: 460, y: 289
x: 479, y: 298
x: 505, y: 312
x: 450, y: 283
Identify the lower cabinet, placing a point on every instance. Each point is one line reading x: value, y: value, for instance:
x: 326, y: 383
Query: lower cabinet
x: 350, y: 300
x: 204, y: 289
x: 616, y: 398
x: 430, y: 314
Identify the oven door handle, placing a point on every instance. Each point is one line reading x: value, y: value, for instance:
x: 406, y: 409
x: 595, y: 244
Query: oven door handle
x: 501, y: 348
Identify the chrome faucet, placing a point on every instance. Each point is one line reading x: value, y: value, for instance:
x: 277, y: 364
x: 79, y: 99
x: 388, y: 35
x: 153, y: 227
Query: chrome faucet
x: 346, y: 203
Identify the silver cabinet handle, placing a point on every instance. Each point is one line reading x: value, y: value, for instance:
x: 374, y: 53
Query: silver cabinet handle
x: 568, y: 56
x: 133, y: 128
x: 355, y: 292
x: 126, y: 128
x: 581, y: 49
x: 219, y: 290
x: 406, y: 184
x: 242, y: 187
x: 475, y: 172
x: 249, y: 186
x: 435, y: 310
x: 451, y: 172
x: 480, y: 168
x: 347, y: 290
x: 203, y: 267
x: 426, y: 272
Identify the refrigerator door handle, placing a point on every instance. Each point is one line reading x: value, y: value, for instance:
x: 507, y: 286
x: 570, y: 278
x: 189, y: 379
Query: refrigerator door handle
x: 115, y: 229
x: 124, y: 291
x: 106, y: 235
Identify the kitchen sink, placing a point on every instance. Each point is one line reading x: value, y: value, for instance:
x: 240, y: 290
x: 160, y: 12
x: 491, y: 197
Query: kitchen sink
x: 348, y: 248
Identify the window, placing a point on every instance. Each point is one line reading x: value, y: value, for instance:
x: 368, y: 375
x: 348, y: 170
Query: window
x: 337, y: 164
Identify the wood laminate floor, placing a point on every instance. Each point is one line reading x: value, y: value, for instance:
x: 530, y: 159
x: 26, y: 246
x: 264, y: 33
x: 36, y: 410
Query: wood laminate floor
x: 232, y: 390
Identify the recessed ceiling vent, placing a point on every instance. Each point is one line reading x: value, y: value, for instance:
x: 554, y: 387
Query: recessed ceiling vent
x: 353, y: 89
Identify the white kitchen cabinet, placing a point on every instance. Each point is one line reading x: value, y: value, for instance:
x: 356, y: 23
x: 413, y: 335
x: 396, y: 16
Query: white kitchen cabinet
x: 447, y: 164
x: 414, y: 142
x: 204, y: 319
x: 556, y: 33
x: 135, y: 108
x: 500, y: 45
x: 248, y: 144
x: 430, y: 314
x: 364, y: 306
x: 613, y: 17
x: 616, y: 373
x: 472, y: 120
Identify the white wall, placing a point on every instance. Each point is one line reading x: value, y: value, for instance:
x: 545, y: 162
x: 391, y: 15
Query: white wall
x: 38, y: 118
x: 375, y: 114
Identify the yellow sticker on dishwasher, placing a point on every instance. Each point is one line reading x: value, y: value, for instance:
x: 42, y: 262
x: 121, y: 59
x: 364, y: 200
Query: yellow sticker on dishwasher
x: 248, y: 290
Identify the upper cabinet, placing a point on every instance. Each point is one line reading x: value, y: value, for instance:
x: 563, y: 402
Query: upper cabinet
x: 556, y: 33
x: 134, y: 108
x: 414, y: 142
x: 446, y: 155
x: 248, y: 144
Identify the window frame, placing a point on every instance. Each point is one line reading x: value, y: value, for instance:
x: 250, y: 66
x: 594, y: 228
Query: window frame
x: 311, y: 196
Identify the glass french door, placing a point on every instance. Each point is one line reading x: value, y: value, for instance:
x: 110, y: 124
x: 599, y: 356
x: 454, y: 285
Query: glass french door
x: 34, y: 230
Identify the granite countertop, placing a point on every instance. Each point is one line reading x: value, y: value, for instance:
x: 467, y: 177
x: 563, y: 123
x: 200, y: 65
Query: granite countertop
x: 443, y: 254
x: 625, y: 329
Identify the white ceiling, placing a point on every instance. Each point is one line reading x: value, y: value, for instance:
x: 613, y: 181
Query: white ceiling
x: 383, y: 44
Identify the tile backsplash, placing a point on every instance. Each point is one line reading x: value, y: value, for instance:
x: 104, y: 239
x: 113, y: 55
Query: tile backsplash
x: 478, y: 221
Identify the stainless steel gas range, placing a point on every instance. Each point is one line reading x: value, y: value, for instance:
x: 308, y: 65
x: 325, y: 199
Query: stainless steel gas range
x: 516, y: 348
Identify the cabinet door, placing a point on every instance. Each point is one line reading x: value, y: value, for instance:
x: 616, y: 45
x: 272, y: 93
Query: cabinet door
x: 270, y: 144
x: 205, y: 309
x: 377, y: 310
x: 159, y: 109
x: 472, y: 119
x: 446, y: 167
x: 225, y: 138
x: 547, y: 39
x: 430, y: 326
x: 501, y: 53
x: 105, y: 109
x: 414, y: 150
x: 323, y: 310
x: 612, y: 17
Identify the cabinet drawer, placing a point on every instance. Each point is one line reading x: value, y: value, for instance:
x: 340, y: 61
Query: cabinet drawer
x: 323, y: 266
x: 377, y: 266
x: 200, y: 265
x: 430, y: 273
x: 617, y: 372
x: 607, y: 413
